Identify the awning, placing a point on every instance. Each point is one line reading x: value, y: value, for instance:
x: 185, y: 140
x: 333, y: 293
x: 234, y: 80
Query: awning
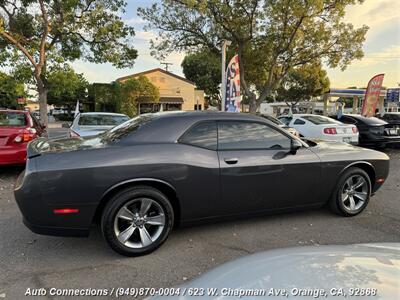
x: 167, y: 100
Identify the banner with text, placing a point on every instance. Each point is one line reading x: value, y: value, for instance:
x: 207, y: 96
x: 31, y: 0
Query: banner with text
x: 232, y: 95
x: 372, y: 93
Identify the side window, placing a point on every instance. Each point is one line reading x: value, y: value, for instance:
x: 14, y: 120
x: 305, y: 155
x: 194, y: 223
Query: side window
x: 299, y: 122
x: 202, y: 135
x: 234, y: 135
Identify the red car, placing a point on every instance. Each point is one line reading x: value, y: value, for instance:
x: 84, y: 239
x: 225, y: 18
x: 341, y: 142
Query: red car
x: 17, y: 128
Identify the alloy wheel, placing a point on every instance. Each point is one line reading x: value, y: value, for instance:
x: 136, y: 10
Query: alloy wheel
x: 354, y: 193
x: 139, y: 223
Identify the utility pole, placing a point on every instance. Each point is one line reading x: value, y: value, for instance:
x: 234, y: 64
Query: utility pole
x: 225, y: 44
x: 166, y: 65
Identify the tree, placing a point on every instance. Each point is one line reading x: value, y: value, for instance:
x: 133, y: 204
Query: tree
x: 39, y: 34
x: 303, y: 83
x: 65, y: 87
x: 10, y: 90
x: 134, y: 90
x: 204, y: 69
x: 270, y: 37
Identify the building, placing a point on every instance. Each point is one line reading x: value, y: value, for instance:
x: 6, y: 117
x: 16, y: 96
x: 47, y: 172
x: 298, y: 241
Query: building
x: 176, y: 92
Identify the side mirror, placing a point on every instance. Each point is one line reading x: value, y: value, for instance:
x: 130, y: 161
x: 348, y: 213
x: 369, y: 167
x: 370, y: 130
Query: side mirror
x: 295, y: 145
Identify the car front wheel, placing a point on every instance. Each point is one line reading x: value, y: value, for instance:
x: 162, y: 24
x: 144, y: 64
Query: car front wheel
x: 352, y: 193
x: 137, y: 220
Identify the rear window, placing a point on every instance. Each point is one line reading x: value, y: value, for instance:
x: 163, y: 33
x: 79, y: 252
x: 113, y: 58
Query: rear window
x: 127, y: 127
x: 12, y: 119
x: 102, y: 120
x: 320, y: 120
x: 273, y: 120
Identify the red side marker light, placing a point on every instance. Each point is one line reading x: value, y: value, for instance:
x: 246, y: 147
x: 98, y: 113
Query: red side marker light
x: 380, y: 180
x: 63, y: 211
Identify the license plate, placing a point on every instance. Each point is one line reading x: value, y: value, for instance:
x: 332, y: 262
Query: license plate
x: 347, y: 140
x: 3, y: 141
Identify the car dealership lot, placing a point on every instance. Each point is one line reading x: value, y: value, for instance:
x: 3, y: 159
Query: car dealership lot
x: 28, y: 260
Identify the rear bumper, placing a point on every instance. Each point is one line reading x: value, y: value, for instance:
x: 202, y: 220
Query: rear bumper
x: 56, y: 231
x: 38, y: 213
x: 12, y: 156
x: 381, y: 141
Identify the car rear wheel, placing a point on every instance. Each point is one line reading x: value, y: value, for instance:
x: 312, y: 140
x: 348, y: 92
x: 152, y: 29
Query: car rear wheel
x: 352, y: 193
x: 137, y: 220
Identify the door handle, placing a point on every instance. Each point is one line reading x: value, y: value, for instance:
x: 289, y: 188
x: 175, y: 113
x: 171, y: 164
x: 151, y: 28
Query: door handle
x: 231, y: 161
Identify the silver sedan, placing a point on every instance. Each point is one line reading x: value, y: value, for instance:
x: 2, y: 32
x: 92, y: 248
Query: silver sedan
x: 93, y: 123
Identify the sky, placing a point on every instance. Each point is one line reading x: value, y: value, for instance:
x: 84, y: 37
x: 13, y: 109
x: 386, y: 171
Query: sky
x: 381, y: 48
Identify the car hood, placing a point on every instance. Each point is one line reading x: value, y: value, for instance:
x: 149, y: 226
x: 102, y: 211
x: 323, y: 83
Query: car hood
x: 374, y: 266
x: 44, y: 145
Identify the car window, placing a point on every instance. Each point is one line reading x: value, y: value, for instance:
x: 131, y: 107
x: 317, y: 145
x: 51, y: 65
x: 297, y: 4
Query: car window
x: 347, y: 120
x: 202, y: 135
x: 285, y: 120
x: 12, y: 119
x: 320, y: 120
x: 127, y: 127
x: 299, y: 122
x: 102, y: 120
x: 233, y: 135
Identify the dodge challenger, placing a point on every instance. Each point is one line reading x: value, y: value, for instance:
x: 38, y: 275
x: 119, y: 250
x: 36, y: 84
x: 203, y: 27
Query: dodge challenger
x: 155, y: 171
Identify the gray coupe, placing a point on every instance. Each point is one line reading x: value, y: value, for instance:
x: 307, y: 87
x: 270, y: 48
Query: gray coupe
x: 155, y: 171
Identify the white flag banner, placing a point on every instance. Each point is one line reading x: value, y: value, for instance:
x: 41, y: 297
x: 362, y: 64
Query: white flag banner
x: 76, y: 109
x: 232, y: 95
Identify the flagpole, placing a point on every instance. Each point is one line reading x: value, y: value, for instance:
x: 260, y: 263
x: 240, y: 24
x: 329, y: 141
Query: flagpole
x: 225, y: 44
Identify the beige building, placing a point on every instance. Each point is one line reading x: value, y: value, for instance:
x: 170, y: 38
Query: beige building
x: 176, y: 92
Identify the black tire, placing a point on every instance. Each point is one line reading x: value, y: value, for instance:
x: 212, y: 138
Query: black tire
x: 125, y: 197
x: 337, y: 205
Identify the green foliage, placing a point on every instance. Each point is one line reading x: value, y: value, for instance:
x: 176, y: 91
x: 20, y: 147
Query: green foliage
x: 134, y: 90
x: 123, y: 97
x: 271, y: 37
x: 303, y: 83
x: 66, y: 87
x: 204, y: 69
x: 10, y: 90
x: 105, y: 97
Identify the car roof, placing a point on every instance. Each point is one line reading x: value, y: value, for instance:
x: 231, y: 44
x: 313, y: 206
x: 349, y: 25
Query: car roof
x: 102, y: 113
x: 169, y: 126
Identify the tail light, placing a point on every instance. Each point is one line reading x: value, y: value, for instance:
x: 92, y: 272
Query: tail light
x: 330, y: 131
x: 355, y: 129
x: 26, y: 135
x: 73, y: 134
x: 379, y: 130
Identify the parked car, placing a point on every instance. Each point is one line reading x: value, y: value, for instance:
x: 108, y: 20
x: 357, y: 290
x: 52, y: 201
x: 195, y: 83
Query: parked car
x: 364, y: 271
x: 280, y: 124
x: 156, y: 170
x: 17, y: 128
x: 92, y: 123
x: 373, y: 131
x: 393, y: 120
x: 321, y: 127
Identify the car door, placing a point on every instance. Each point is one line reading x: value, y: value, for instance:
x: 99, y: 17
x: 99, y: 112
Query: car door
x: 257, y: 171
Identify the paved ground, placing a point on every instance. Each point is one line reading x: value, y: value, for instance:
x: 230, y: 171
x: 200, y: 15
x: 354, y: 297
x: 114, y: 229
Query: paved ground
x: 28, y: 260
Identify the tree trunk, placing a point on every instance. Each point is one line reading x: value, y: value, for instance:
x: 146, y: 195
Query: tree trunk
x: 42, y: 90
x: 253, y: 104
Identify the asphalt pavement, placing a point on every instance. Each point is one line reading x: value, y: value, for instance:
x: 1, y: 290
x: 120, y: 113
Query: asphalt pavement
x: 31, y: 261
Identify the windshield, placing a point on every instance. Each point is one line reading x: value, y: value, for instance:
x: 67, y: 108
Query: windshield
x: 320, y: 120
x: 102, y: 120
x: 12, y: 119
x: 126, y: 128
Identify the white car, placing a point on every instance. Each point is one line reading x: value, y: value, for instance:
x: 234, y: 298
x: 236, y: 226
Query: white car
x: 321, y: 127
